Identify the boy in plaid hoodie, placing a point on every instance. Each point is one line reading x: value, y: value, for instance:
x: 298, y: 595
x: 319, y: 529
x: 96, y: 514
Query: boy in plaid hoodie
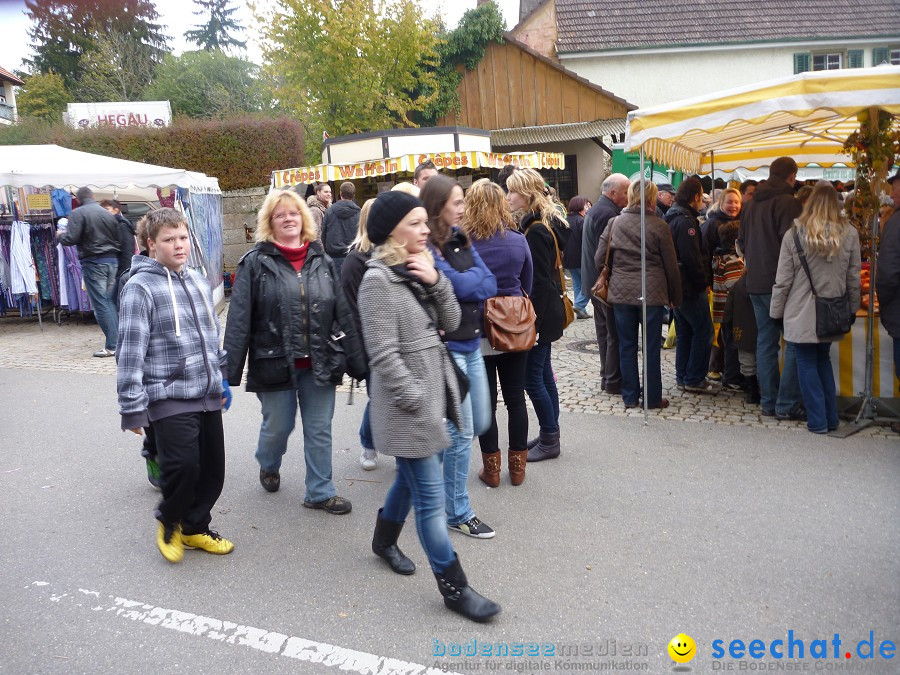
x: 171, y: 375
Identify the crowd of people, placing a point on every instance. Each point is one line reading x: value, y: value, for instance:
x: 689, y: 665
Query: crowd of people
x: 407, y: 294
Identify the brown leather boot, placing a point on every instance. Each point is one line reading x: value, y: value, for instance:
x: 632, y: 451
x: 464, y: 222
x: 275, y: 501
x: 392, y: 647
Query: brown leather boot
x: 490, y: 473
x: 517, y: 460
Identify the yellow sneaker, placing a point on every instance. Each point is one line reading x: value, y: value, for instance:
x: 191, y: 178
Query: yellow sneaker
x: 168, y: 540
x: 209, y: 541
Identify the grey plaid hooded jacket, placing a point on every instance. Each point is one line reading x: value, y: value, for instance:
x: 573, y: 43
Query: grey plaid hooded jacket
x: 168, y: 355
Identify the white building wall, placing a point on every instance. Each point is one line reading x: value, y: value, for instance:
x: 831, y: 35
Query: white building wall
x: 656, y: 77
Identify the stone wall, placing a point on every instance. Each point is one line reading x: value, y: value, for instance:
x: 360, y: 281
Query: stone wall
x: 239, y: 208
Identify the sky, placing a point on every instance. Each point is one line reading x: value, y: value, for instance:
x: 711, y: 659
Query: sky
x: 176, y: 19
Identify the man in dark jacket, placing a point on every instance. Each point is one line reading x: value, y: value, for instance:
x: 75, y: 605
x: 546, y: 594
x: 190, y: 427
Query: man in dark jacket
x: 613, y: 199
x: 693, y: 322
x: 665, y: 198
x: 764, y: 221
x: 96, y: 234
x: 887, y: 274
x: 340, y: 226
x: 126, y: 243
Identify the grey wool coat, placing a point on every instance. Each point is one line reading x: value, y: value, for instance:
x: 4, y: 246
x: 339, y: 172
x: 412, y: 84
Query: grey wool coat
x: 413, y: 385
x: 792, y: 296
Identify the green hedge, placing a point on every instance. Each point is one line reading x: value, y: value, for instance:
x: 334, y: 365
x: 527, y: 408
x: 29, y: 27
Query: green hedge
x: 241, y: 152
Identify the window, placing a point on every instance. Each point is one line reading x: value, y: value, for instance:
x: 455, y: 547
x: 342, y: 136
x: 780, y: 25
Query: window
x: 855, y: 58
x: 826, y: 61
x: 895, y: 57
x: 801, y: 62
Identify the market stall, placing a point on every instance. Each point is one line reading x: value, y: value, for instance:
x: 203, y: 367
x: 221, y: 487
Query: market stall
x: 36, y: 182
x: 808, y: 117
x: 286, y: 178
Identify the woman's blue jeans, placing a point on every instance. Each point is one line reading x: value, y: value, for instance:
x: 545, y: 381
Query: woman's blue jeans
x: 476, y: 419
x: 628, y: 319
x: 419, y: 483
x: 365, y: 427
x: 816, y: 380
x: 541, y: 388
x: 279, y: 409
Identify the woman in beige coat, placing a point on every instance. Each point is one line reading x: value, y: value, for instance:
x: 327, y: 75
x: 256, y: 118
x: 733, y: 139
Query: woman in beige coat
x: 663, y: 288
x: 831, y: 246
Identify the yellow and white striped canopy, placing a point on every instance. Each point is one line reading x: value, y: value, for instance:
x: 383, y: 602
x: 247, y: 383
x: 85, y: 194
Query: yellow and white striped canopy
x: 807, y: 117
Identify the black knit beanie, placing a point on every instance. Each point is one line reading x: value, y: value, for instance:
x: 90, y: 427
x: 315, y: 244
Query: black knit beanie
x: 387, y: 212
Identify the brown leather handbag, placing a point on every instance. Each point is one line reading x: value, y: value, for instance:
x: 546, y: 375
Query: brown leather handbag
x: 509, y: 323
x: 600, y: 289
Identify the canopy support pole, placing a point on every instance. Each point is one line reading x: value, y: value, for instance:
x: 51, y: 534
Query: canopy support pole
x: 643, y: 293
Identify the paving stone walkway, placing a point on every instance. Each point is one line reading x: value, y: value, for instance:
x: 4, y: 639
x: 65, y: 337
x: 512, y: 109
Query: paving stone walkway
x: 69, y: 345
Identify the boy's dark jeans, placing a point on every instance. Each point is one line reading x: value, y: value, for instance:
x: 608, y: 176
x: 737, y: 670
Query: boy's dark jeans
x: 190, y: 450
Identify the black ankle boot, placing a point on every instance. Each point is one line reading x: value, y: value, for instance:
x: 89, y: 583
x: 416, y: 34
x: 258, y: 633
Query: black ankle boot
x: 547, y: 447
x: 384, y: 545
x: 753, y: 396
x: 461, y: 598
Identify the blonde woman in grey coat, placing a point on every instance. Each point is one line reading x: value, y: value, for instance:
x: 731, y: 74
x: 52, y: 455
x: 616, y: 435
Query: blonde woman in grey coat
x: 831, y: 246
x: 403, y: 303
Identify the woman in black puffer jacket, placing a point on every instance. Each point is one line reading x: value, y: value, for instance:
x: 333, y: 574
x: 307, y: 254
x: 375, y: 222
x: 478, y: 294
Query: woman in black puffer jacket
x: 288, y: 314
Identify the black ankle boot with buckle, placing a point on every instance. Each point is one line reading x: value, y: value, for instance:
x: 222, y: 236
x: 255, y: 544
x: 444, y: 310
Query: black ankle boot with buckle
x: 461, y: 598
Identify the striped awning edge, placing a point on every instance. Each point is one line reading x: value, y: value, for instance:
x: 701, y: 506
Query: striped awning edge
x: 556, y: 133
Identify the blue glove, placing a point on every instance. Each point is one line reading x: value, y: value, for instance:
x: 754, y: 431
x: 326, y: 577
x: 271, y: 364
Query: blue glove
x: 226, y: 395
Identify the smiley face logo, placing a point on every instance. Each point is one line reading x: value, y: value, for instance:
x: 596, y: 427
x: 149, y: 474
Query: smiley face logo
x: 682, y: 648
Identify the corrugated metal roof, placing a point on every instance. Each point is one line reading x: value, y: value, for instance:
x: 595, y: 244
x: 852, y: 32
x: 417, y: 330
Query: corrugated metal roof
x: 556, y: 133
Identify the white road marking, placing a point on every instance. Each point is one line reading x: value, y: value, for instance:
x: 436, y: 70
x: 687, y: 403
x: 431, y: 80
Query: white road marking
x: 271, y: 642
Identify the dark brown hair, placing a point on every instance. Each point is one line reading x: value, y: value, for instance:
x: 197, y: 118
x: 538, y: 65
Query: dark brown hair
x: 435, y: 195
x: 577, y: 203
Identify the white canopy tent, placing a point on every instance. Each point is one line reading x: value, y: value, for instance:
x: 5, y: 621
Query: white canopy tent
x: 46, y: 166
x: 806, y: 116
x: 52, y: 165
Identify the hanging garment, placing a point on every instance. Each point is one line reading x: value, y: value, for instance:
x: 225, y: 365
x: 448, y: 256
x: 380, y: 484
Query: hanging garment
x: 21, y: 260
x: 61, y: 201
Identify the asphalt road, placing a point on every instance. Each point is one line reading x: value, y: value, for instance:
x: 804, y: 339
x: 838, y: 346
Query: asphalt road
x: 634, y: 535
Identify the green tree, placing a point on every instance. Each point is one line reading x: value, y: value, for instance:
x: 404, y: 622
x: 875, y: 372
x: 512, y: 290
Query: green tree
x: 43, y: 96
x: 215, y: 33
x: 459, y: 49
x: 119, y: 68
x: 65, y: 30
x: 348, y: 66
x: 206, y: 84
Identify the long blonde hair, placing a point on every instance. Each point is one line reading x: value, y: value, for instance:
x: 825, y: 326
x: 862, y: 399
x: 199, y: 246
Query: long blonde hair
x: 264, y: 231
x: 821, y: 226
x: 393, y: 252
x: 487, y: 211
x: 361, y: 243
x: 530, y: 184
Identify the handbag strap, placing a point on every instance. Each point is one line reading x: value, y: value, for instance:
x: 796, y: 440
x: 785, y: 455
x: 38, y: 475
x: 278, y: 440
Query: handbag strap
x: 559, y: 268
x: 609, y: 243
x: 803, y: 260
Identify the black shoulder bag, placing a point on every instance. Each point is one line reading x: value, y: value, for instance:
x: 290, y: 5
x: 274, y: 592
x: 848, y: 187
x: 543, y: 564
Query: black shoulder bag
x: 833, y: 315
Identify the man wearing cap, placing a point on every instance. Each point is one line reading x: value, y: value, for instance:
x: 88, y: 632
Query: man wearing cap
x: 665, y: 197
x: 887, y: 274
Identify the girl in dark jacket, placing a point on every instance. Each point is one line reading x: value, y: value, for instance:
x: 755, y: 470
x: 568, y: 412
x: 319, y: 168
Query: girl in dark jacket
x: 546, y: 233
x: 405, y: 302
x: 572, y: 253
x: 503, y: 249
x: 288, y: 314
x: 473, y: 283
x: 351, y: 277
